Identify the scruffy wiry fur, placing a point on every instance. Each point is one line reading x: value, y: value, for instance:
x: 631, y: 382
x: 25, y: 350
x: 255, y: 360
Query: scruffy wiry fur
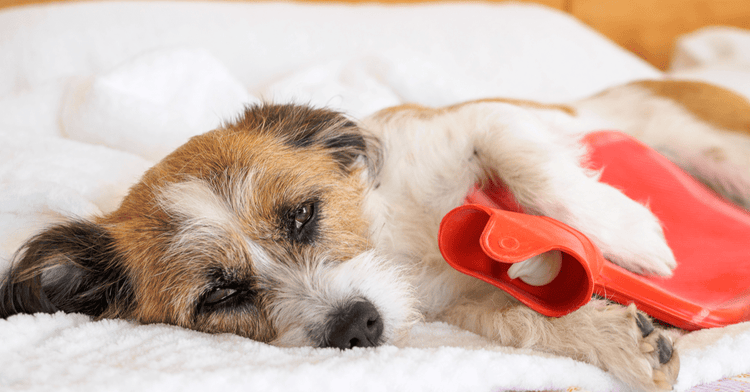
x: 297, y: 226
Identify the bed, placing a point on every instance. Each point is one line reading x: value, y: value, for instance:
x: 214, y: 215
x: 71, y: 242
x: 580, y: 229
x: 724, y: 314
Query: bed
x: 92, y: 94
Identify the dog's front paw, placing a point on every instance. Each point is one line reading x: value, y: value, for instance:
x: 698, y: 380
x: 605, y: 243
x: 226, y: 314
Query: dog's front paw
x: 630, y: 236
x: 639, y: 353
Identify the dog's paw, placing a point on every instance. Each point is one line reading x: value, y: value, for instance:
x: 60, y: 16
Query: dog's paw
x: 641, y: 354
x: 659, y: 351
x: 630, y: 235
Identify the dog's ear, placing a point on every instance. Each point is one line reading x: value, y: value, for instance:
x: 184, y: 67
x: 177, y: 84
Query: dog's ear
x: 302, y: 126
x: 72, y: 267
x: 350, y: 145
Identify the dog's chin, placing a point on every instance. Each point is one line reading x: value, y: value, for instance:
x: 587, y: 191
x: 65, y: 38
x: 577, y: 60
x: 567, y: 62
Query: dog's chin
x: 363, y: 302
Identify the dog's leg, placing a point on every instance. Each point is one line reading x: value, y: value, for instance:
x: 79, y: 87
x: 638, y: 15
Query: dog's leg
x: 544, y: 174
x: 433, y: 156
x: 702, y: 128
x: 620, y: 340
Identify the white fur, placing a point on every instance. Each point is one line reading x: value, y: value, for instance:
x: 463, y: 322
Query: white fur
x: 308, y: 293
x: 194, y: 201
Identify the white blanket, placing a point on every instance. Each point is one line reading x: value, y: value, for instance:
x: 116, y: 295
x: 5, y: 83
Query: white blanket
x: 92, y: 94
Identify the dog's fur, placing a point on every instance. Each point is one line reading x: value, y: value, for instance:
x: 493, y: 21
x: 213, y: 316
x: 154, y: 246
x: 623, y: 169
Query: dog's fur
x: 296, y: 226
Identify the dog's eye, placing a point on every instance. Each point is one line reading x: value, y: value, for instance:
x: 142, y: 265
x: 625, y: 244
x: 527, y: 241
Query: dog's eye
x: 301, y: 221
x: 228, y: 296
x: 303, y: 215
x: 219, y: 295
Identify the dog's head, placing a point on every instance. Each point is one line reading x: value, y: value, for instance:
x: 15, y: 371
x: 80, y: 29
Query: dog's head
x: 255, y: 229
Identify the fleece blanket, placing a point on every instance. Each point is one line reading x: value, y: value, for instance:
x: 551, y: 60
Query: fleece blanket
x: 92, y: 94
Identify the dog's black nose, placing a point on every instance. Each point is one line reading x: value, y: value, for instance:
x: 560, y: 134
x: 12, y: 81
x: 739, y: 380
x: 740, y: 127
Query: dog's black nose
x: 358, y: 325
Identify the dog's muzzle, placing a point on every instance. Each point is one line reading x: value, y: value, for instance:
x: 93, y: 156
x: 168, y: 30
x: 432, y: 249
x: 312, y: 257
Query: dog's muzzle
x: 356, y: 325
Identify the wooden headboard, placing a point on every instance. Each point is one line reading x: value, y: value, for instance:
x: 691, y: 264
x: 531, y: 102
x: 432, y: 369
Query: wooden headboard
x: 648, y: 28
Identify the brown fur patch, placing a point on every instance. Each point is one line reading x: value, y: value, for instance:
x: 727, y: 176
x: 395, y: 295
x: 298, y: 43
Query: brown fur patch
x: 712, y: 104
x: 716, y: 154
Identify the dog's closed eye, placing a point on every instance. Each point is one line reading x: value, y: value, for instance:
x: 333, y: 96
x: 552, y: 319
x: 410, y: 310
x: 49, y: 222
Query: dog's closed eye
x: 226, y: 297
x: 219, y: 295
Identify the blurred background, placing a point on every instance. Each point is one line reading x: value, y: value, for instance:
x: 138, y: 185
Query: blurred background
x: 647, y: 28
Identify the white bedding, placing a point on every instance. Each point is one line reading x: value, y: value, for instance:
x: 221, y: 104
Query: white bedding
x: 92, y: 94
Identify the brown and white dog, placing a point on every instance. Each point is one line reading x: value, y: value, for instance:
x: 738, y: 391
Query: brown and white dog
x: 297, y: 226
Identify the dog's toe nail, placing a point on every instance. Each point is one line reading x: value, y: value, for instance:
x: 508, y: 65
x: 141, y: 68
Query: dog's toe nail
x: 644, y: 324
x: 665, y: 349
x: 646, y: 348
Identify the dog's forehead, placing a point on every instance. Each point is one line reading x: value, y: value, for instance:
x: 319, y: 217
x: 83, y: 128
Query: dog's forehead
x: 250, y: 168
x: 219, y: 236
x: 287, y: 148
x: 234, y: 189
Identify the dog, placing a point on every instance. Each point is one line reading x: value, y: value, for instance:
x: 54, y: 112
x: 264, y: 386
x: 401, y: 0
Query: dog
x: 298, y: 226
